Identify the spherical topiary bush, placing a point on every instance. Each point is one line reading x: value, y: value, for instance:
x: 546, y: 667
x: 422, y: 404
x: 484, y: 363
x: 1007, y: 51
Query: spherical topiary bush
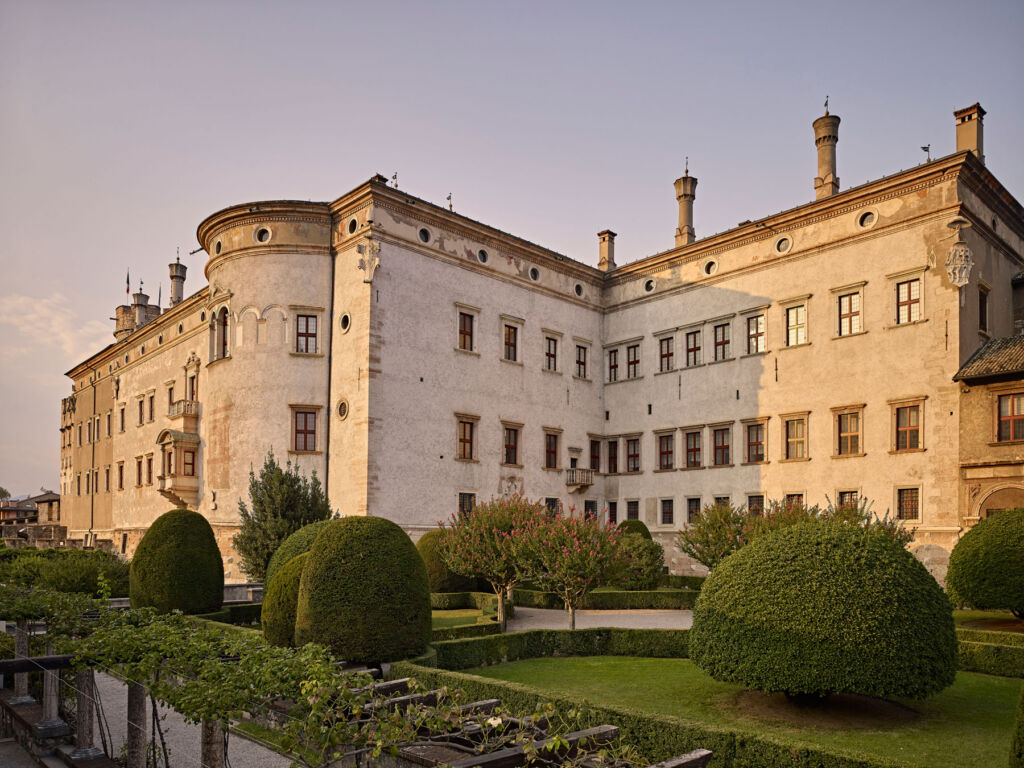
x: 986, y: 567
x: 440, y: 577
x: 177, y: 565
x: 643, y: 561
x: 635, y: 526
x: 364, y: 592
x: 280, y: 601
x: 300, y: 541
x: 820, y: 608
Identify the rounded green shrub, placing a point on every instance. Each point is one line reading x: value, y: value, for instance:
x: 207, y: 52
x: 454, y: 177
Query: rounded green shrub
x: 364, y: 592
x: 77, y: 570
x: 440, y: 577
x: 300, y: 541
x: 177, y: 565
x: 635, y: 526
x: 280, y: 600
x: 643, y: 561
x: 986, y: 567
x: 820, y: 608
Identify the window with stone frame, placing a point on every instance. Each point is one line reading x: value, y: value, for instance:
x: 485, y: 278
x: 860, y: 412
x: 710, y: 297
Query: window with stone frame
x: 908, y: 503
x: 693, y: 450
x: 755, y: 503
x: 510, y: 445
x: 667, y: 512
x: 908, y: 301
x: 692, y: 509
x: 613, y: 456
x: 721, y: 440
x: 304, y: 428
x: 466, y: 503
x: 581, y: 361
x: 794, y: 435
x: 633, y: 361
x: 849, y: 426
x: 613, y: 512
x: 849, y: 319
x: 188, y: 463
x: 633, y: 454
x: 1010, y: 417
x: 847, y: 499
x: 551, y: 450
x: 595, y: 455
x: 722, y: 341
x: 755, y: 334
x: 756, y: 443
x: 633, y: 509
x: 666, y: 451
x: 796, y: 325
x: 794, y: 500
x: 466, y: 331
x: 693, y: 339
x: 908, y: 427
x: 465, y: 445
x: 613, y: 365
x: 511, y: 343
x: 120, y: 475
x: 550, y: 353
x: 305, y: 334
x: 666, y: 353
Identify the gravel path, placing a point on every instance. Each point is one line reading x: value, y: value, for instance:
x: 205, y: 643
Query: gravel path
x: 13, y: 756
x: 182, y: 739
x: 544, y: 618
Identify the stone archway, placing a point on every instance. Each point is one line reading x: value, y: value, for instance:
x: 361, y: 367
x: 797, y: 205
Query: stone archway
x: 1007, y: 497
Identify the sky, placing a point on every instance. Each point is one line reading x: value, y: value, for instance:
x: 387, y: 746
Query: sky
x: 125, y: 124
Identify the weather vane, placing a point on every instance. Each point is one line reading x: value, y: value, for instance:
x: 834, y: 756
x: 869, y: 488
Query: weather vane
x: 450, y: 208
x: 394, y: 179
x: 686, y: 168
x: 927, y: 149
x: 826, y: 103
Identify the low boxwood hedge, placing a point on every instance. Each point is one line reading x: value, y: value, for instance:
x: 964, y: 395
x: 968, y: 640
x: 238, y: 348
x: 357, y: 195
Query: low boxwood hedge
x: 612, y: 600
x: 240, y: 614
x: 450, y: 601
x: 466, y: 631
x: 991, y: 659
x: 682, y: 582
x: 990, y: 636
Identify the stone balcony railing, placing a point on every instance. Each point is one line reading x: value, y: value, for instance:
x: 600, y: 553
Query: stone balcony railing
x: 183, y: 408
x: 578, y: 477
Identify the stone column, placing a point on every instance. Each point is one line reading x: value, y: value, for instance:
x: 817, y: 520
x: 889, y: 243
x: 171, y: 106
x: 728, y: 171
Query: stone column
x: 86, y: 706
x: 51, y: 726
x: 136, y: 742
x: 21, y: 652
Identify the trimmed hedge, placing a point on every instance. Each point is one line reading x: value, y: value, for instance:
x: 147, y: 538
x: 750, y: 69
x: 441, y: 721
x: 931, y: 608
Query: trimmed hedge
x: 991, y: 659
x: 642, y: 564
x: 450, y: 601
x: 442, y: 579
x: 1017, y: 747
x: 240, y: 614
x: 364, y: 592
x: 682, y: 582
x: 177, y: 565
x: 635, y: 526
x: 986, y: 567
x: 466, y: 631
x: 300, y: 541
x: 989, y: 636
x: 819, y: 608
x: 281, y: 601
x: 611, y: 600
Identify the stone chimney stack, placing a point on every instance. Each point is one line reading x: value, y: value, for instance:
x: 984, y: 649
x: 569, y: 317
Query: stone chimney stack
x: 124, y: 322
x: 826, y: 136
x: 969, y: 131
x: 686, y: 192
x: 177, y: 281
x: 140, y: 305
x: 606, y: 263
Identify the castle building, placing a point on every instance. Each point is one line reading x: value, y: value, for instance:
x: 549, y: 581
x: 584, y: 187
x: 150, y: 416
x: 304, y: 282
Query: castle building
x: 418, y: 361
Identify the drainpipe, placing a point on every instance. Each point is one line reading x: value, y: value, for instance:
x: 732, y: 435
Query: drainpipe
x: 330, y: 350
x: 92, y: 460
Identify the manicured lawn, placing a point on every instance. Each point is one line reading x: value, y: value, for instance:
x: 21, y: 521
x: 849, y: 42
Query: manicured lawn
x: 968, y: 724
x: 456, y: 618
x: 999, y: 621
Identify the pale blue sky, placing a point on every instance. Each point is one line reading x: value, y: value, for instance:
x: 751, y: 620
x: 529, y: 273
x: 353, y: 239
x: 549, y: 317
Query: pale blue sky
x: 124, y: 124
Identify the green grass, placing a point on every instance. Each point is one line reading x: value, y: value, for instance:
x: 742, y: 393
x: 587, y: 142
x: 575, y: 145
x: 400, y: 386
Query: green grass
x: 456, y: 618
x: 968, y: 724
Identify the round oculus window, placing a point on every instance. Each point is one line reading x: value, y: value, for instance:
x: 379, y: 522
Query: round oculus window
x: 262, y: 235
x: 342, y: 409
x: 649, y: 285
x: 425, y: 235
x: 180, y: 327
x: 866, y: 219
x: 578, y: 290
x: 345, y: 322
x: 481, y: 256
x: 534, y: 273
x: 216, y: 248
x: 353, y: 225
x: 710, y: 267
x: 783, y: 244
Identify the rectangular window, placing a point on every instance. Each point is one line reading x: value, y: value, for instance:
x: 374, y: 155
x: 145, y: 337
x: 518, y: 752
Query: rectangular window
x: 796, y: 441
x: 305, y: 334
x: 511, y: 445
x: 755, y: 443
x: 847, y: 499
x: 665, y: 353
x: 581, y: 361
x: 613, y: 365
x: 755, y: 503
x: 755, y: 334
x: 908, y: 301
x: 170, y: 396
x: 849, y: 314
x: 124, y: 543
x: 908, y: 503
x: 613, y: 457
x: 122, y: 418
x: 667, y: 512
x: 633, y: 454
x: 794, y: 500
x: 466, y: 503
x: 550, y: 450
x: 613, y: 511
x: 88, y: 475
x: 152, y: 398
x: 722, y: 341
x: 589, y: 509
x: 138, y: 472
x: 595, y: 455
x: 633, y: 509
x: 305, y: 430
x: 982, y: 309
x: 78, y: 485
x: 550, y: 353
x: 849, y: 434
x: 796, y: 325
x: 88, y: 432
x: 149, y: 470
x: 80, y: 426
x: 552, y: 504
x: 693, y: 457
x: 108, y: 424
x: 465, y: 446
x: 465, y: 331
x: 188, y: 463
x: 666, y: 451
x: 169, y: 462
x: 511, y: 343
x: 120, y: 476
x: 191, y: 391
x: 908, y: 428
x: 142, y: 407
x: 1011, y: 417
x: 692, y: 509
x: 106, y: 479
x: 721, y: 446
x: 723, y: 501
x: 693, y: 348
x: 632, y: 361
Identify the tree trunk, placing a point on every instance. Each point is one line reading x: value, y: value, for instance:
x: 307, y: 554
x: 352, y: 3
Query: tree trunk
x: 212, y: 744
x: 21, y: 651
x: 501, y: 610
x: 572, y: 616
x: 136, y: 742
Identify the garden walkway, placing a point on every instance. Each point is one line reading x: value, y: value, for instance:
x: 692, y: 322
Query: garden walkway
x: 13, y: 756
x: 545, y: 618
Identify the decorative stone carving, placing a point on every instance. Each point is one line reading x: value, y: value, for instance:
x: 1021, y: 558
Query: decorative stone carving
x: 975, y: 489
x: 370, y: 260
x: 959, y: 260
x: 510, y: 486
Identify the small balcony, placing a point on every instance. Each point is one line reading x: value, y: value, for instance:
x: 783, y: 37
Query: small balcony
x: 577, y: 477
x: 182, y: 490
x: 187, y: 411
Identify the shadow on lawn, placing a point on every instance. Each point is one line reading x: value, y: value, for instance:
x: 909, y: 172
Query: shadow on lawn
x: 838, y: 711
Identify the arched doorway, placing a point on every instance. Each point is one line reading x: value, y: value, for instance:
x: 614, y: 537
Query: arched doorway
x: 1009, y: 497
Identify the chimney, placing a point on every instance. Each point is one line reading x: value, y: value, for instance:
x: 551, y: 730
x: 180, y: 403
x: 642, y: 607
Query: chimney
x: 177, y: 281
x: 969, y: 131
x: 686, y: 191
x: 124, y: 322
x: 606, y: 263
x: 140, y: 303
x: 826, y: 136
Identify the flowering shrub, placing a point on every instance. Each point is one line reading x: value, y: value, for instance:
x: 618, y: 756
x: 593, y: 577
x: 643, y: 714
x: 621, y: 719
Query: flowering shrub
x: 641, y: 563
x: 714, y: 534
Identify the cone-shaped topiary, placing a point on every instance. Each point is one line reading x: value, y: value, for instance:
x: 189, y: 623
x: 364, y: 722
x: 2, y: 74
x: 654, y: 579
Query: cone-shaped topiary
x: 441, y: 579
x: 635, y: 526
x: 364, y: 592
x: 820, y: 608
x: 177, y: 566
x: 300, y: 541
x: 986, y: 567
x: 280, y: 600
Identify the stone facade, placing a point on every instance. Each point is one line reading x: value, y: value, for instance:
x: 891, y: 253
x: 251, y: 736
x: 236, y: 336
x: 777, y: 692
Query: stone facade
x: 417, y: 359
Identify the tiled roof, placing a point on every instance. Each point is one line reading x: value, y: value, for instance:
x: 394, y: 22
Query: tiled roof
x: 996, y: 357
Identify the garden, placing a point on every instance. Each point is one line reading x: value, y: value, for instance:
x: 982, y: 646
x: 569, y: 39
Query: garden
x: 817, y: 639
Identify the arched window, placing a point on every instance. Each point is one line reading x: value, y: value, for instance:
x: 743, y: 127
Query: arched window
x: 222, y: 332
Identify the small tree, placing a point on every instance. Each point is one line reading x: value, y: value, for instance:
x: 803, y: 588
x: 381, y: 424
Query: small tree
x: 485, y: 543
x: 714, y: 534
x: 280, y: 502
x: 4, y: 493
x: 568, y: 556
